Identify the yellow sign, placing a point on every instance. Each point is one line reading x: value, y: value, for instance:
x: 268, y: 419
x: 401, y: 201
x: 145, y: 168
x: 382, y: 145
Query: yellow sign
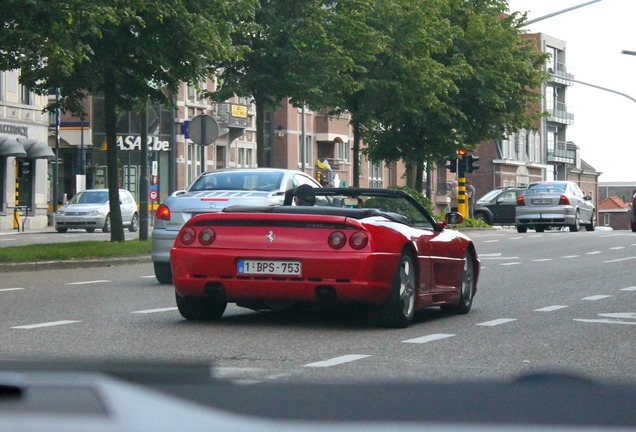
x: 239, y: 111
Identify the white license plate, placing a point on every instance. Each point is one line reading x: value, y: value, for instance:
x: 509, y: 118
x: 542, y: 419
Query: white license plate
x: 541, y: 201
x: 269, y: 267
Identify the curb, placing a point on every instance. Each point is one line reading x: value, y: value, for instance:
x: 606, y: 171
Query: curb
x: 71, y: 264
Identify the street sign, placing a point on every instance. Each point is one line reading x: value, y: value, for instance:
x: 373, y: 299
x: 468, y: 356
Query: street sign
x: 153, y: 195
x: 203, y: 129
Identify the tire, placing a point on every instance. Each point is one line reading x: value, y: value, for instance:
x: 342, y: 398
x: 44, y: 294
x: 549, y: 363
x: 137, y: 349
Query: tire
x: 465, y: 302
x: 163, y: 272
x: 577, y: 223
x: 522, y: 229
x: 90, y: 230
x: 61, y: 230
x: 633, y: 226
x: 200, y: 308
x: 592, y: 225
x: 106, y: 227
x: 398, y: 310
x: 483, y: 217
x: 539, y: 229
x: 134, y: 223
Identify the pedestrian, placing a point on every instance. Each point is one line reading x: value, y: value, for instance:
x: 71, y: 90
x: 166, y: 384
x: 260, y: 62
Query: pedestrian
x: 470, y: 194
x: 304, y: 195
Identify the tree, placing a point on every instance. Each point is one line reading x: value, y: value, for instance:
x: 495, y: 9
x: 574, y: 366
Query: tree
x: 131, y: 51
x: 499, y: 78
x: 290, y: 56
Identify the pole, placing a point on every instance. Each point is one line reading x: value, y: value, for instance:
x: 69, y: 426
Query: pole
x: 57, y: 149
x: 532, y: 21
x: 302, y: 138
x: 462, y: 204
x: 143, y: 177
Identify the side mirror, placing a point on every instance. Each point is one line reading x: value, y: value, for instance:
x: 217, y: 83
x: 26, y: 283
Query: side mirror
x: 453, y: 218
x: 587, y: 198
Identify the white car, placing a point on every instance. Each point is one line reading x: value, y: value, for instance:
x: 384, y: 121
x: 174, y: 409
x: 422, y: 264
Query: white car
x: 211, y: 192
x: 90, y: 210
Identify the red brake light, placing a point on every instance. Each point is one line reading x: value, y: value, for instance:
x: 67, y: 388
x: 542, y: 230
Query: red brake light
x: 521, y: 201
x: 163, y: 212
x: 207, y: 236
x: 358, y: 240
x: 187, y: 235
x: 337, y: 240
x: 564, y: 200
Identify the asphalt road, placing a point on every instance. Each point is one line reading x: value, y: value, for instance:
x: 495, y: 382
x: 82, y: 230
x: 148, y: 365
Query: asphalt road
x: 551, y: 301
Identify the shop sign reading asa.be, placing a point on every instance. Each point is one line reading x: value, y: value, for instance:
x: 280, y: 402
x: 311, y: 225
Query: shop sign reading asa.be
x: 133, y: 142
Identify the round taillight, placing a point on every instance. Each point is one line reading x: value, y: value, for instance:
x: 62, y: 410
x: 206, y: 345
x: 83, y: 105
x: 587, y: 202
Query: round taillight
x: 188, y: 235
x: 207, y: 236
x: 337, y: 240
x: 358, y: 240
x: 163, y: 212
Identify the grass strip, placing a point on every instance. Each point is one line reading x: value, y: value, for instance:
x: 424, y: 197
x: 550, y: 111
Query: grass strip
x: 74, y: 251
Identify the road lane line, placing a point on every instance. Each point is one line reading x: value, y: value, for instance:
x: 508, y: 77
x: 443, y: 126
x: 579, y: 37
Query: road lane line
x: 46, y: 324
x: 337, y: 360
x: 550, y: 308
x: 496, y: 322
x: 88, y: 282
x: 509, y: 264
x: 620, y: 259
x: 606, y: 321
x: 632, y: 288
x: 542, y: 260
x: 429, y: 338
x: 490, y: 241
x: 617, y: 248
x: 596, y: 297
x: 11, y: 289
x: 148, y: 277
x: 148, y: 311
x: 570, y: 256
x: 593, y: 253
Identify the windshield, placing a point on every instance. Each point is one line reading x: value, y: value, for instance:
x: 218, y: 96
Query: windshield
x: 90, y: 197
x: 238, y: 180
x: 546, y: 188
x: 490, y: 195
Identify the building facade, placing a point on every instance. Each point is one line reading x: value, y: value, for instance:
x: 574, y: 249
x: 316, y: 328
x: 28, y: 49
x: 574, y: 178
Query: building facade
x: 24, y: 156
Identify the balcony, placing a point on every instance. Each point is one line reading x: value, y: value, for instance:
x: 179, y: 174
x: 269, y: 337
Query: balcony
x: 558, y: 113
x: 559, y: 74
x: 562, y: 153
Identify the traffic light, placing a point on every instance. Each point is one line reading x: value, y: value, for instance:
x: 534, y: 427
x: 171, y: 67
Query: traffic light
x: 451, y: 165
x: 472, y: 163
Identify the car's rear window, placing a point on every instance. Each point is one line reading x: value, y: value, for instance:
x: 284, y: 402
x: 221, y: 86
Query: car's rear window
x: 552, y: 187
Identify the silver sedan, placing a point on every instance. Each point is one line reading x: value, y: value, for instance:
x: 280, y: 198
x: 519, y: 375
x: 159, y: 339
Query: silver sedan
x: 554, y: 204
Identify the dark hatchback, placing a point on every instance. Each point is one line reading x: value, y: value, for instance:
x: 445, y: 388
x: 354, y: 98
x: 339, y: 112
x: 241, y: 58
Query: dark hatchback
x: 497, y: 207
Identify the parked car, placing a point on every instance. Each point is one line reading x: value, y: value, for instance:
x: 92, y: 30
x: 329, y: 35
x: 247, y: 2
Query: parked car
x: 371, y: 246
x: 211, y: 192
x: 497, y: 207
x: 554, y: 204
x: 90, y: 210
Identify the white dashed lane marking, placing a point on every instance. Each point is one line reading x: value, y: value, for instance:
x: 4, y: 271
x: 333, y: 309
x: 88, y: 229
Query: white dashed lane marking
x: 596, y: 297
x: 496, y: 322
x: 11, y: 289
x: 542, y: 260
x: 632, y: 288
x: 620, y: 259
x: 550, y: 308
x: 429, y: 338
x: 509, y: 264
x: 593, y: 253
x: 149, y: 311
x: 570, y: 256
x: 88, y: 282
x: 46, y: 324
x: 337, y: 360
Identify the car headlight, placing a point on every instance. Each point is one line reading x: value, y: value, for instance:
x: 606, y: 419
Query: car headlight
x: 93, y: 213
x: 60, y: 212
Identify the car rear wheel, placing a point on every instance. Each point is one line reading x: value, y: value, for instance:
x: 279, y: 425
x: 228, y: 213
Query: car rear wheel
x: 465, y: 302
x: 483, y: 217
x: 200, y: 308
x: 592, y: 224
x: 399, y: 308
x: 633, y: 226
x: 539, y: 229
x: 106, y: 227
x: 522, y: 228
x: 90, y: 230
x: 61, y: 230
x: 134, y: 223
x: 577, y: 223
x: 163, y: 272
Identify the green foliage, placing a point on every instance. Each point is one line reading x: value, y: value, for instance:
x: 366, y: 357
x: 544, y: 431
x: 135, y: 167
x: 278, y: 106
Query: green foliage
x: 74, y: 251
x: 426, y: 203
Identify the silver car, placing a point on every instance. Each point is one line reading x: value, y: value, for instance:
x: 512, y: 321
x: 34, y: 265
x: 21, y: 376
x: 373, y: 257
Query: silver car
x: 211, y: 192
x: 90, y: 210
x: 554, y: 204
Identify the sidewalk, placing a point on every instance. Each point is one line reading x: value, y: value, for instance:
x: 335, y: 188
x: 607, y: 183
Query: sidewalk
x: 72, y: 264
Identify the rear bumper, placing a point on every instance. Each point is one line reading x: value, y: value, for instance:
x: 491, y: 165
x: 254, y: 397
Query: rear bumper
x: 162, y: 242
x: 351, y: 276
x: 548, y: 216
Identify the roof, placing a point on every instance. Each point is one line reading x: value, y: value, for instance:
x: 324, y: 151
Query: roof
x: 613, y: 202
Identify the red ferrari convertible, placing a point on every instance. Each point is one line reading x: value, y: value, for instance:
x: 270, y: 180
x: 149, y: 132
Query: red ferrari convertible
x: 375, y: 246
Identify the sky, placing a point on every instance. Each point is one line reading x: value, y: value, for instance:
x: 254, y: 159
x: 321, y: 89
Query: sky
x: 604, y: 123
